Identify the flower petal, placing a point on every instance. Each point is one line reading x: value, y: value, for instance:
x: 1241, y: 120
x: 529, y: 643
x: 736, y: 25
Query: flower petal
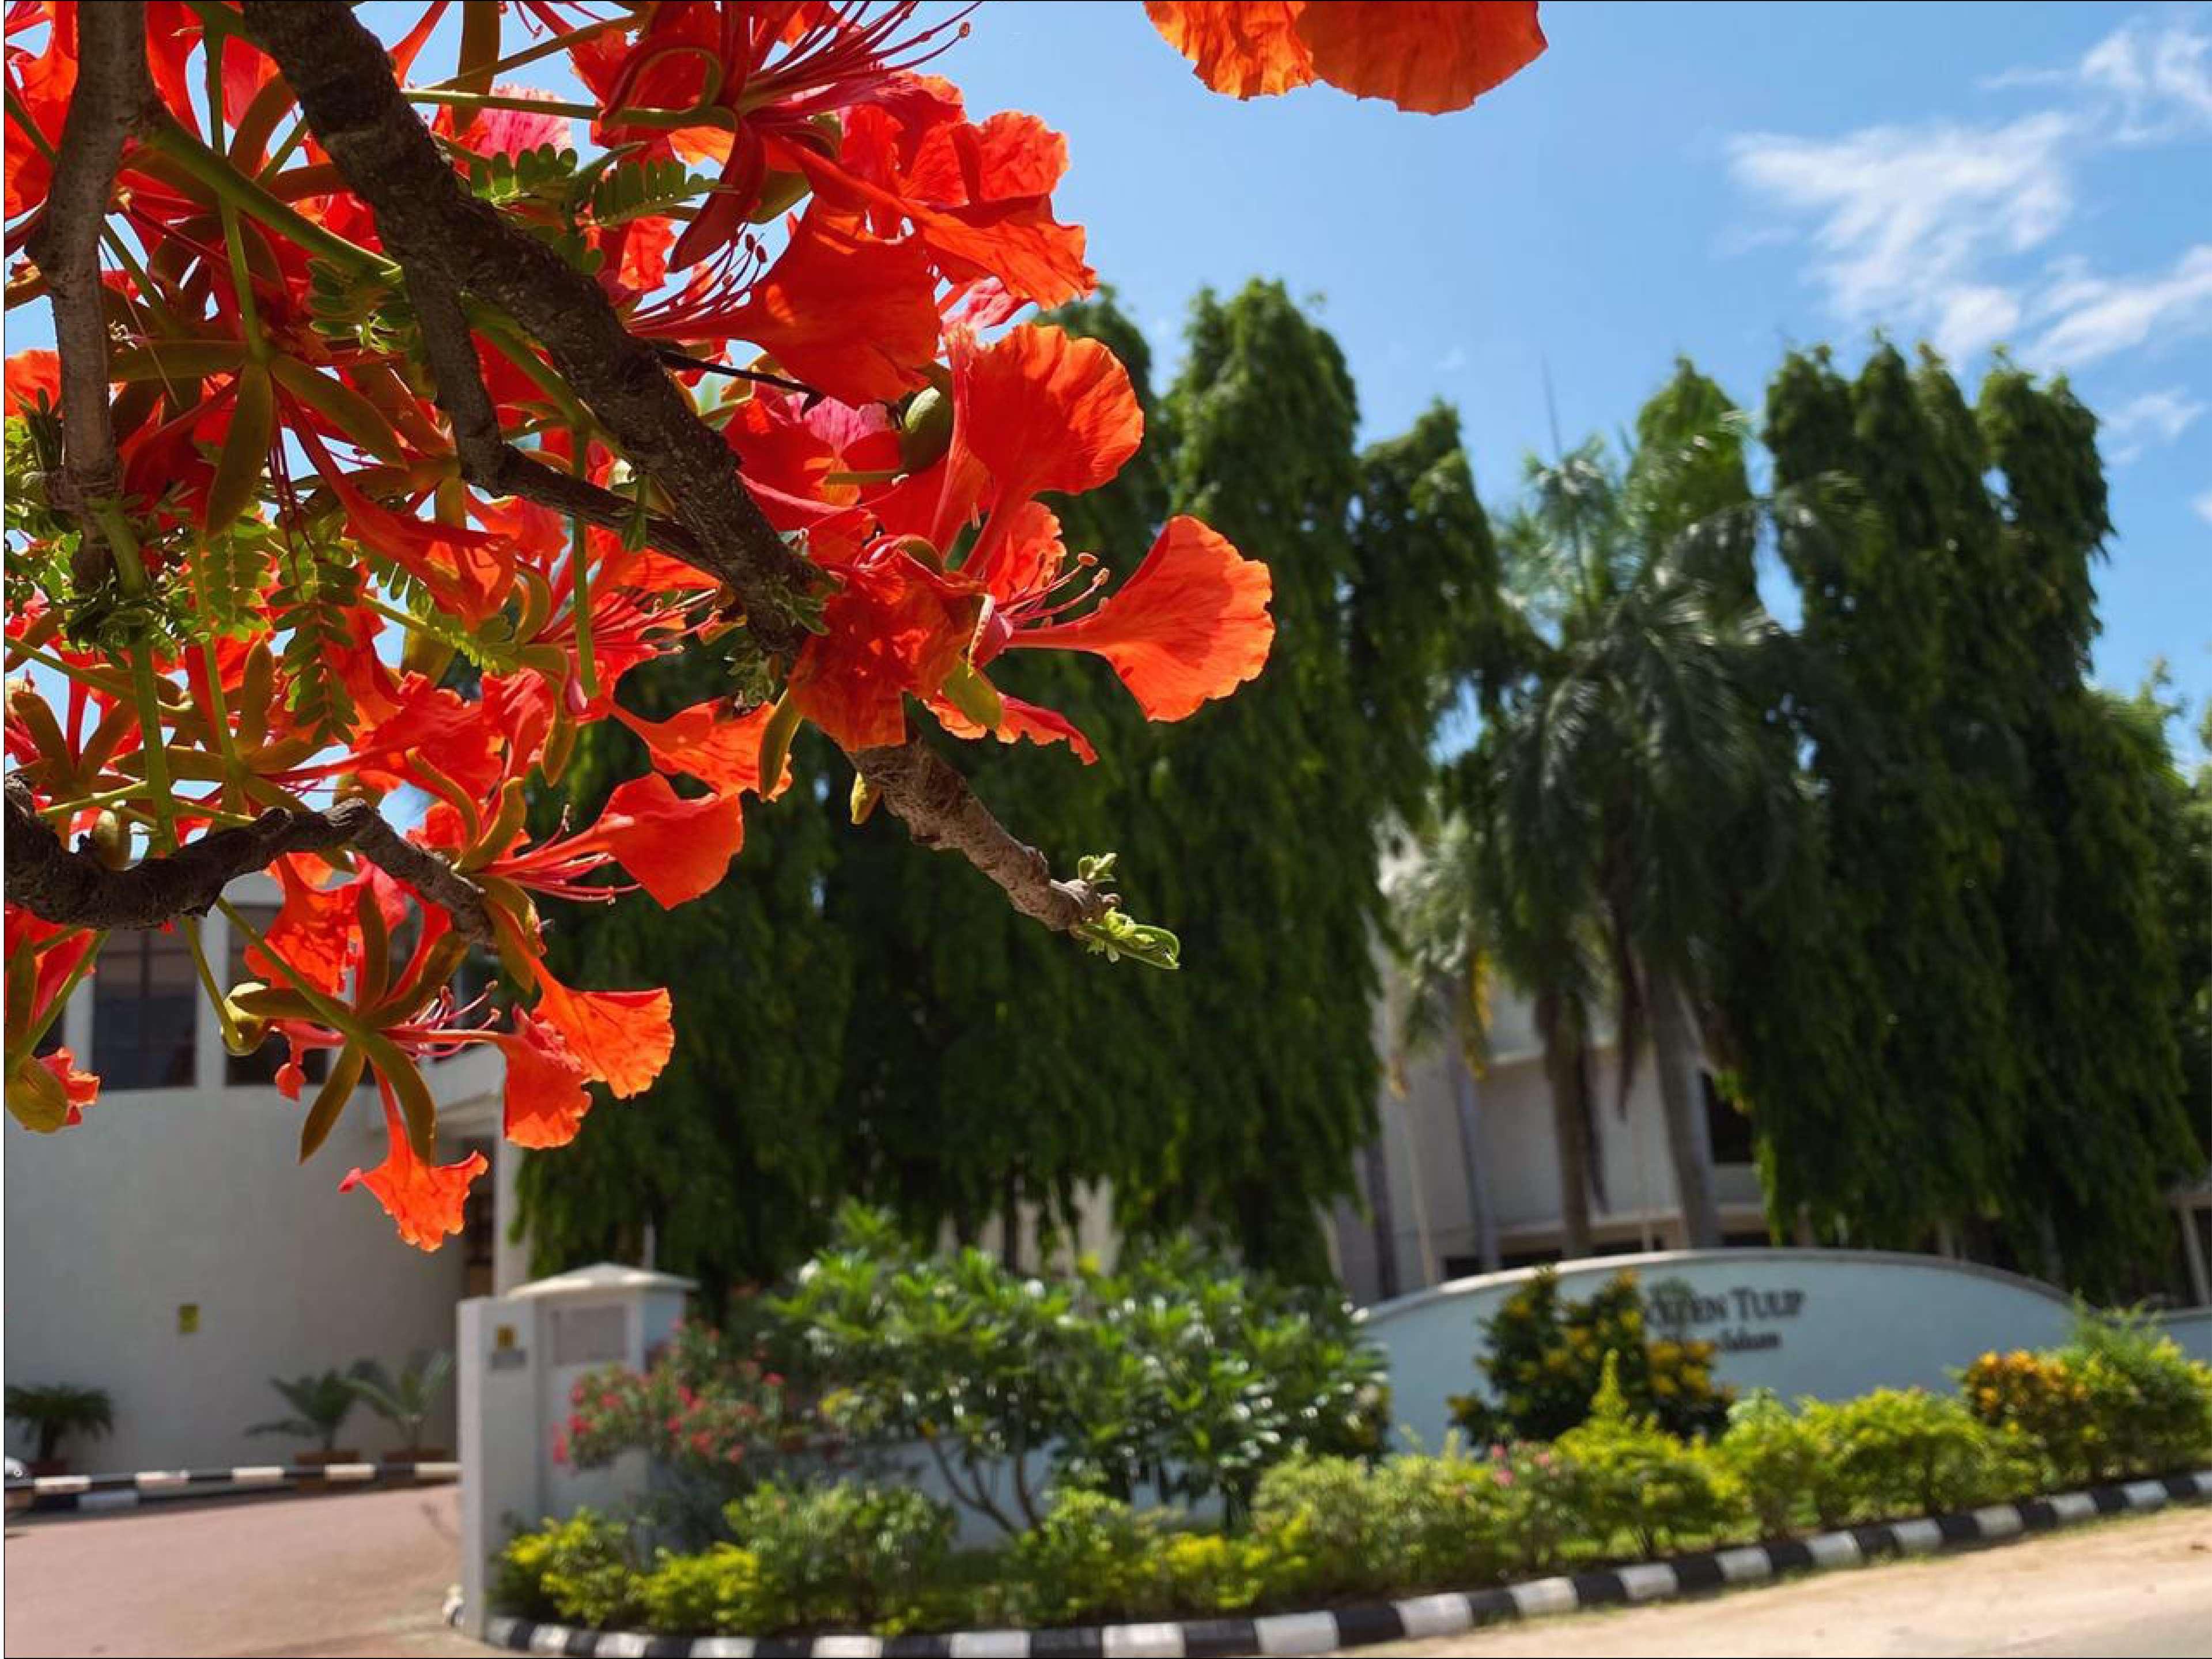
x: 1190, y: 625
x: 425, y: 1199
x: 621, y: 1037
x: 1019, y: 720
x: 851, y: 316
x: 1246, y: 48
x: 721, y: 750
x: 1431, y: 56
x: 32, y: 375
x: 677, y: 848
x: 545, y: 1098
x: 893, y: 627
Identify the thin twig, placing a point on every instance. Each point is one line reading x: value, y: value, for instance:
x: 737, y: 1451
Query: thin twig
x: 940, y: 810
x: 676, y: 359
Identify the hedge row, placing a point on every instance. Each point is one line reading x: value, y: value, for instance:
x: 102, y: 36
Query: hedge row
x: 1328, y: 1529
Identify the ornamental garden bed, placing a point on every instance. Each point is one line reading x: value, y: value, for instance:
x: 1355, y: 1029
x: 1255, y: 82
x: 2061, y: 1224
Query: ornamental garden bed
x: 1324, y: 1630
x: 1657, y: 1481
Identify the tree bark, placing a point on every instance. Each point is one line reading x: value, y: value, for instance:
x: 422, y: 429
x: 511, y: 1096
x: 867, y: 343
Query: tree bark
x: 1674, y: 1052
x: 1565, y: 1068
x: 74, y: 888
x: 1466, y: 1103
x: 1383, y: 1219
x: 113, y: 96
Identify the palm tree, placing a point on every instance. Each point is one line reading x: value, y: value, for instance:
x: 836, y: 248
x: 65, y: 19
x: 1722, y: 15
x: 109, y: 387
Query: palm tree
x: 53, y: 1412
x: 320, y: 1405
x: 1592, y: 800
x: 1483, y: 897
x: 407, y: 1402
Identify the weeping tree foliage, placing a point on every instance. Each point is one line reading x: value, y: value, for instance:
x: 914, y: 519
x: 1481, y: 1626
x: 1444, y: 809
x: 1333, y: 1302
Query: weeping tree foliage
x: 928, y: 1052
x: 2184, y: 838
x: 1265, y: 850
x: 2092, y: 950
x: 1974, y: 921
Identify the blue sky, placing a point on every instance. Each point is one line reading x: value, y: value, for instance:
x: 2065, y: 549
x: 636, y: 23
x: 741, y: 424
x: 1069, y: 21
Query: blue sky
x: 1719, y: 180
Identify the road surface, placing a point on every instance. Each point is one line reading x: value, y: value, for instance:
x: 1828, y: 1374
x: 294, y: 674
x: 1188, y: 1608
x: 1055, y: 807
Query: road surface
x: 2141, y: 1585
x: 350, y: 1573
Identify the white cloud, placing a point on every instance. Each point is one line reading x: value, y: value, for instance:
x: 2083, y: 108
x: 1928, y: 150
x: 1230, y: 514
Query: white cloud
x: 1923, y: 228
x: 2097, y: 316
x: 1453, y: 361
x: 2203, y: 506
x: 1907, y: 218
x: 2161, y: 76
x: 2153, y: 417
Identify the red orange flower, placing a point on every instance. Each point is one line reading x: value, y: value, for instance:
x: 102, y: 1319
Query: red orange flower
x: 425, y: 1199
x: 1431, y: 55
x: 1038, y: 410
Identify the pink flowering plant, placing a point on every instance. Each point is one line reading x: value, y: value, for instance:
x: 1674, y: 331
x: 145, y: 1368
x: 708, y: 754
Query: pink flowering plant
x: 710, y: 1411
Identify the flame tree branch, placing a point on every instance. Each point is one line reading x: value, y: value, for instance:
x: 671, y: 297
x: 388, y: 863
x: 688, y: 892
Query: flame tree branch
x: 74, y: 888
x: 114, y: 98
x: 940, y: 810
x: 448, y: 242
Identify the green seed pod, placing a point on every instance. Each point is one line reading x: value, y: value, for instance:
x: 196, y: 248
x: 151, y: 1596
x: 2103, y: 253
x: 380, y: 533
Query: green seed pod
x: 110, y: 840
x: 925, y: 431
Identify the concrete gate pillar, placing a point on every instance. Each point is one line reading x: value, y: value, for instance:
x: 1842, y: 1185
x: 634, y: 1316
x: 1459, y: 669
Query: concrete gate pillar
x: 520, y: 1355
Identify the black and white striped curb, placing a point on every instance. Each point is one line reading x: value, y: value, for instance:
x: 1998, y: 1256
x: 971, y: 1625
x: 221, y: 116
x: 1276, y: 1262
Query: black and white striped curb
x: 1447, y: 1615
x: 101, y: 1491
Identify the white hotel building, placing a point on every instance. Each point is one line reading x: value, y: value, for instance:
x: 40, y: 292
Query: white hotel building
x: 172, y: 1250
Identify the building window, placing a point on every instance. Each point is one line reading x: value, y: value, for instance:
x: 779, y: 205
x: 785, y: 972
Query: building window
x: 261, y: 1066
x: 145, y: 1004
x: 1729, y: 1127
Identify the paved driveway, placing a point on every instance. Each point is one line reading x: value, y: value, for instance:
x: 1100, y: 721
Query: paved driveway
x: 350, y: 1573
x: 2136, y: 1586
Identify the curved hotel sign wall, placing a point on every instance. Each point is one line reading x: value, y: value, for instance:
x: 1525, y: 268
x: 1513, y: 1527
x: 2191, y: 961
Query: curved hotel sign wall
x: 1829, y: 1323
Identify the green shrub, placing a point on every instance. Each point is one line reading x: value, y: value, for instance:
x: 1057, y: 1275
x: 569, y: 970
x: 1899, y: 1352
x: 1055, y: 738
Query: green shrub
x: 2152, y: 1401
x: 1323, y: 1519
x: 1543, y: 1502
x: 583, y: 1568
x: 1205, y: 1573
x: 1336, y: 1528
x: 1631, y: 1476
x: 1905, y: 1451
x: 1086, y: 1559
x: 714, y: 1594
x: 2046, y: 1399
x: 1178, y: 1372
x: 714, y: 1415
x: 2119, y: 1399
x: 1783, y: 1465
x: 841, y: 1555
x: 1546, y: 1355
